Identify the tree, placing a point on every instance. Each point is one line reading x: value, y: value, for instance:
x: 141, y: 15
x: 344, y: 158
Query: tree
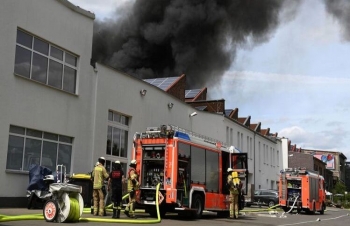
x: 339, y: 188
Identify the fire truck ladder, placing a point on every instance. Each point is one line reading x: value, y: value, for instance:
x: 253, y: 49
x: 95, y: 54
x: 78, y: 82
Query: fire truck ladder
x: 199, y: 137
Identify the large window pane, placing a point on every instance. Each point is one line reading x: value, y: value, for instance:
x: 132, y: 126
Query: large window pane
x: 110, y: 115
x: 70, y: 59
x: 69, y: 79
x: 55, y: 74
x: 32, y: 152
x: 41, y: 46
x: 17, y: 129
x: 22, y: 61
x: 109, y: 140
x: 108, y: 166
x: 66, y: 139
x: 51, y: 136
x: 39, y: 69
x: 57, y: 53
x: 116, y: 141
x: 15, y: 153
x: 24, y: 39
x: 49, y: 156
x: 64, y: 156
x: 124, y: 143
x: 124, y: 120
x: 34, y: 133
x: 116, y: 117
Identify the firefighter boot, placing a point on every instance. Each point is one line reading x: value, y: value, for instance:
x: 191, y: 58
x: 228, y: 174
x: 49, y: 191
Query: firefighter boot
x: 114, y: 213
x: 126, y: 211
x: 118, y: 213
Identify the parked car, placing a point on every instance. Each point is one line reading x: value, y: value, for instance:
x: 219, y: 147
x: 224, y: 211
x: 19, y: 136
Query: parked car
x: 264, y: 197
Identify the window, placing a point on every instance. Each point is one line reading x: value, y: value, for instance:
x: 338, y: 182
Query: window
x: 211, y: 171
x: 45, y: 63
x: 28, y: 146
x: 197, y: 166
x: 117, y: 134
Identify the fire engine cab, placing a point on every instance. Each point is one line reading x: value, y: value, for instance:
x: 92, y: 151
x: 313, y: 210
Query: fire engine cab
x: 190, y: 168
x: 300, y: 189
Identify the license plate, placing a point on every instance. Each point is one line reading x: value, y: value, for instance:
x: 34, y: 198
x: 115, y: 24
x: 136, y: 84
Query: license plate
x: 148, y: 202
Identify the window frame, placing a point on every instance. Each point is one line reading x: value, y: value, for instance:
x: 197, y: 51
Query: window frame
x: 66, y: 67
x: 123, y: 133
x: 43, y: 140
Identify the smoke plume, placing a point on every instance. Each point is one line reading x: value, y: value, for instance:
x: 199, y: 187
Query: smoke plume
x: 165, y: 38
x: 340, y: 9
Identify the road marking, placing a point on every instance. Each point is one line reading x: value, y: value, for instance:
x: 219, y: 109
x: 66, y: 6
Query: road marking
x: 305, y: 222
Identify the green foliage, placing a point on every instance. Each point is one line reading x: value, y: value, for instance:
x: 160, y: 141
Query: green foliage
x: 344, y: 199
x: 339, y: 188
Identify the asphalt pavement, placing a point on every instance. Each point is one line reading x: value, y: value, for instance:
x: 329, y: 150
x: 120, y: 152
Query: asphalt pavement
x: 250, y: 216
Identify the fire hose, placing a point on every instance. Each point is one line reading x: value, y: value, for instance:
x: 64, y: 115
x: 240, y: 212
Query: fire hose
x: 74, y: 213
x: 291, y: 208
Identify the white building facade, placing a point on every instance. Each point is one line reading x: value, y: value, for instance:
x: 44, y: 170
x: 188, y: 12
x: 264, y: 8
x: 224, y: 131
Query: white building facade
x: 58, y: 109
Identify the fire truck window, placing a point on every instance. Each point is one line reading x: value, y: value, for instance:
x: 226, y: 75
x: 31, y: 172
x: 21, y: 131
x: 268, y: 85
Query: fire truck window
x: 184, y: 150
x: 197, y: 166
x: 212, y: 171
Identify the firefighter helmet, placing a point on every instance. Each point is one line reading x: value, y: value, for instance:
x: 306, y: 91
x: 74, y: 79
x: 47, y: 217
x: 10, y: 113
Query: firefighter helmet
x: 229, y: 170
x: 133, y: 162
x: 102, y: 160
x: 117, y: 162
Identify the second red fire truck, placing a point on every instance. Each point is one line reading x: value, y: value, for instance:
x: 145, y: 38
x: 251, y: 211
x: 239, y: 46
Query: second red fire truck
x: 190, y: 168
x: 302, y: 190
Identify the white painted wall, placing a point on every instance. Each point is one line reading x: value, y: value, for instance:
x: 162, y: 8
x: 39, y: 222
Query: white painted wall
x: 32, y: 105
x: 85, y: 116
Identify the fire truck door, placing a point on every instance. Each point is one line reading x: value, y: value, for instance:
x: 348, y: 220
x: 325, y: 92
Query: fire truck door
x: 225, y: 162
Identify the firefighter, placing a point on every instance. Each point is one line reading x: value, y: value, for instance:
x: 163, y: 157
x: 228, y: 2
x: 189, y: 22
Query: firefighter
x: 133, y: 186
x: 116, y: 178
x: 92, y: 182
x: 100, y: 175
x: 234, y: 187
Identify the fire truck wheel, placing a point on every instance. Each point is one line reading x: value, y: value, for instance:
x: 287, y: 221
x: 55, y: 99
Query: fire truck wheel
x: 322, y: 209
x: 50, y: 210
x: 271, y: 203
x: 198, y: 204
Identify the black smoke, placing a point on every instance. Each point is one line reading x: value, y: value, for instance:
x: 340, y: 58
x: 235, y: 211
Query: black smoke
x: 165, y: 38
x: 340, y: 9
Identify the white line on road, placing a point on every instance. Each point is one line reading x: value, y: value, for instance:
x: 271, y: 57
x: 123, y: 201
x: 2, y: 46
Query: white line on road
x: 305, y: 222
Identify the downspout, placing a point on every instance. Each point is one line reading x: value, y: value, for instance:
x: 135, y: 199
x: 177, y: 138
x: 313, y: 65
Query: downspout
x: 94, y: 109
x: 254, y: 159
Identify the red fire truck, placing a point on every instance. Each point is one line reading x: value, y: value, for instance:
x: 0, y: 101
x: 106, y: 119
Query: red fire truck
x: 191, y: 168
x: 300, y: 189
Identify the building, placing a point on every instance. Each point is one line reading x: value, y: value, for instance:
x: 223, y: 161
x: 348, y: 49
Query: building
x: 335, y: 161
x: 58, y: 109
x: 347, y: 176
